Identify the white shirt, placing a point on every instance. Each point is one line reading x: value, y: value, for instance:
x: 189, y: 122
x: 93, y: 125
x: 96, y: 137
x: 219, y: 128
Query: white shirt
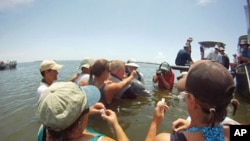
x: 82, y: 77
x: 215, y: 57
x: 43, y: 86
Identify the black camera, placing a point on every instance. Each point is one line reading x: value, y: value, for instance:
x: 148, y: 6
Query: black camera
x: 159, y: 73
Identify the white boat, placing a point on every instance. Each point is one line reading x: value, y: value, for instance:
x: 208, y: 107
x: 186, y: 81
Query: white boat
x: 8, y: 65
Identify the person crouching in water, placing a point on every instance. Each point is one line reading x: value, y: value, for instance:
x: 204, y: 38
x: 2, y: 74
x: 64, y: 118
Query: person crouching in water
x: 164, y: 77
x: 132, y: 65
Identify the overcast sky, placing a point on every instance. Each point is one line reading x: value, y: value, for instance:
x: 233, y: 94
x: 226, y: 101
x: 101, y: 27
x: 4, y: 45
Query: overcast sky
x: 146, y: 30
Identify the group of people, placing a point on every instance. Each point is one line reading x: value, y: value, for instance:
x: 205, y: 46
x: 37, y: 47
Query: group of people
x: 115, y: 79
x: 184, y: 58
x: 219, y: 55
x: 64, y: 107
x: 207, y: 96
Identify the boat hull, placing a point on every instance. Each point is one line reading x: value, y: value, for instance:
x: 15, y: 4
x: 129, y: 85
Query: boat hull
x: 242, y: 83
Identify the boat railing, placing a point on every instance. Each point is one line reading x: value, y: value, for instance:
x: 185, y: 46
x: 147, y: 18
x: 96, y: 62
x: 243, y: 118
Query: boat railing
x: 181, y: 68
x: 242, y: 79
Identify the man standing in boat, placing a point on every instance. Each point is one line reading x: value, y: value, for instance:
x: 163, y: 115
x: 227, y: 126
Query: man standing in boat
x: 245, y: 52
x: 189, y: 41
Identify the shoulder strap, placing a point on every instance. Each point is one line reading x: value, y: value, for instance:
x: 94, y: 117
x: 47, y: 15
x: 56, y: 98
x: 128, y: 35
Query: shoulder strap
x: 177, y: 137
x: 97, y: 135
x: 41, y: 134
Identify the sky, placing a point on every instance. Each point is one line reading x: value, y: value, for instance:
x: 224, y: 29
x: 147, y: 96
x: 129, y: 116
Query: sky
x: 145, y: 30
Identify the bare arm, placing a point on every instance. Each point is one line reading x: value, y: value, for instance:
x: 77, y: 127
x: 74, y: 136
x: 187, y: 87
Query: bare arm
x: 111, y: 118
x: 73, y: 78
x: 155, y: 78
x: 243, y: 59
x: 159, y: 112
x: 114, y: 88
x: 180, y: 124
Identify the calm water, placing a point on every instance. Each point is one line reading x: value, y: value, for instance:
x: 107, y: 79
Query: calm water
x: 18, y: 105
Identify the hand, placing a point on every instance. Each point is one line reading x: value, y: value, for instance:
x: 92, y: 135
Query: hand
x: 110, y: 117
x: 83, y: 83
x: 239, y: 57
x: 95, y: 109
x: 133, y: 73
x: 161, y: 77
x: 159, y: 74
x: 159, y: 112
x: 180, y: 124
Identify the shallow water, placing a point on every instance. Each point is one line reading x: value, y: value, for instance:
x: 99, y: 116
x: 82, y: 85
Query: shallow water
x: 18, y: 104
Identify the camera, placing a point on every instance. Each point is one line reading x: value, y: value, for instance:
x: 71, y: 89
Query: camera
x: 159, y: 73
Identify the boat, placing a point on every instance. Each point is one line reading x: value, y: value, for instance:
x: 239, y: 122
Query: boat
x: 8, y: 65
x: 203, y: 45
x: 209, y: 44
x: 181, y: 68
x: 241, y: 73
x: 242, y: 80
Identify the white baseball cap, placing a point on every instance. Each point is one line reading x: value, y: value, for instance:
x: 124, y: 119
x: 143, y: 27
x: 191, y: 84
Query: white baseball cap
x: 49, y: 64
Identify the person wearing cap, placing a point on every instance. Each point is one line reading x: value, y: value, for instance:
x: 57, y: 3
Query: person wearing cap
x: 49, y: 71
x: 100, y: 73
x: 235, y: 59
x: 138, y: 83
x: 83, y: 77
x: 164, y: 77
x: 234, y: 63
x: 208, y: 90
x: 132, y: 65
x: 183, y: 57
x: 224, y: 58
x: 63, y: 111
x: 245, y: 52
x: 189, y: 41
x: 214, y: 55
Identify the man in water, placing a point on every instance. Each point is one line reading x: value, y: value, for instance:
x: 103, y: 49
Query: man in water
x: 83, y: 77
x: 164, y: 77
x: 49, y: 70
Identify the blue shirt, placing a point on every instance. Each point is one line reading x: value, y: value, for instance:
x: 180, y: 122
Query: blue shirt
x: 182, y: 58
x: 246, y: 53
